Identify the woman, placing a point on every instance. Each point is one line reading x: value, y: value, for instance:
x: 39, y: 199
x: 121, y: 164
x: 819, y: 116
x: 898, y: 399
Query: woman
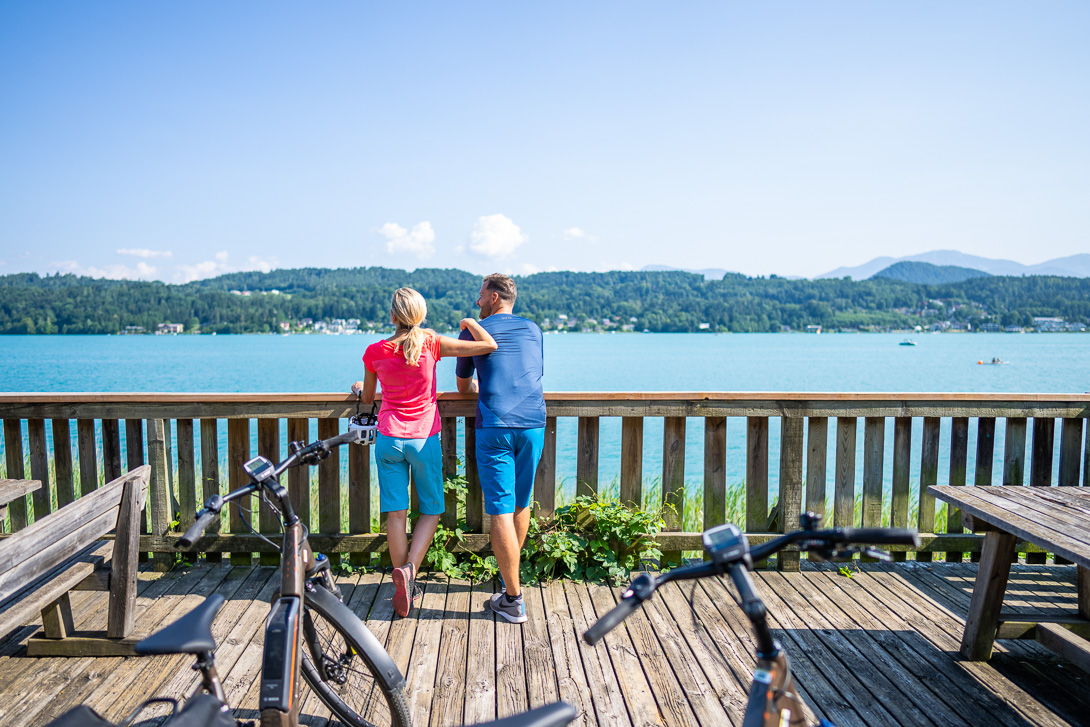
x: 408, y: 429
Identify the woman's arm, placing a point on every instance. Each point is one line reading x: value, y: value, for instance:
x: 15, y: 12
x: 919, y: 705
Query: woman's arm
x: 367, y: 386
x: 483, y: 344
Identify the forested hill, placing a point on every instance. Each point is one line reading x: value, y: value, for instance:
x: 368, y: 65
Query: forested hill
x: 646, y: 300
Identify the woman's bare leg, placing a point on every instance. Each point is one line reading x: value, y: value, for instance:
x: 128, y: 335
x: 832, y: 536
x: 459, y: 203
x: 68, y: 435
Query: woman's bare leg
x: 422, y: 535
x: 396, y: 539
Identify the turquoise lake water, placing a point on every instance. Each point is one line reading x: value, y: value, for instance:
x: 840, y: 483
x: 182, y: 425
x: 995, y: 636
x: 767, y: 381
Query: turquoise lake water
x: 1038, y: 363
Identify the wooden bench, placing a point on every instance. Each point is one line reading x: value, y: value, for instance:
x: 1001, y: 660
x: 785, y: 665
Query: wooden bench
x: 11, y: 490
x: 1055, y: 518
x: 61, y: 552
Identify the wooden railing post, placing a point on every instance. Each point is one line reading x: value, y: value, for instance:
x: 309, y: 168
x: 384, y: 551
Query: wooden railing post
x: 448, y: 438
x: 39, y: 467
x: 238, y: 452
x: 268, y: 446
x: 929, y: 475
x: 902, y: 454
x: 756, y: 474
x: 359, y: 496
x: 299, y: 477
x: 475, y: 519
x: 632, y: 461
x: 791, y: 445
x: 111, y: 450
x: 329, y: 486
x: 1070, y: 451
x: 1014, y: 452
x: 985, y: 457
x: 210, y: 475
x: 817, y: 445
x: 844, y: 488
x: 88, y: 456
x: 586, y: 465
x: 715, y: 471
x: 187, y: 475
x: 959, y: 452
x: 673, y: 480
x: 874, y: 450
x: 1040, y: 471
x: 13, y: 456
x: 62, y: 461
x: 545, y: 477
x: 159, y: 486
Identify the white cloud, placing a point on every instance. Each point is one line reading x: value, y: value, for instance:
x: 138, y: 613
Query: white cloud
x: 496, y: 237
x: 419, y: 241
x: 144, y: 252
x: 575, y: 233
x: 204, y: 269
x: 142, y: 271
x: 220, y: 264
x: 256, y: 263
x: 529, y: 269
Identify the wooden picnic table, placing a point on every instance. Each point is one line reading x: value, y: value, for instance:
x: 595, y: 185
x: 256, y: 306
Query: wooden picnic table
x: 12, y: 489
x: 1054, y: 518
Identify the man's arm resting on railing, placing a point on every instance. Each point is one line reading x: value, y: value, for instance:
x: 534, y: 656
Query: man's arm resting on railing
x: 467, y: 386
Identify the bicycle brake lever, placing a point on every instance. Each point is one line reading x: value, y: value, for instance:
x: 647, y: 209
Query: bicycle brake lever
x: 876, y: 554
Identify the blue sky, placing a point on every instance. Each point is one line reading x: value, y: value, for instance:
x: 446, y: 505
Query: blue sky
x: 174, y: 140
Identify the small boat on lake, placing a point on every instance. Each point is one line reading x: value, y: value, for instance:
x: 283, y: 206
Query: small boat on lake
x: 908, y: 342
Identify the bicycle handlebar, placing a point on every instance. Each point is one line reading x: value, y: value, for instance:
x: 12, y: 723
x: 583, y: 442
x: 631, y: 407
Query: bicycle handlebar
x: 643, y: 586
x: 212, y: 508
x: 196, y: 530
x: 611, y: 620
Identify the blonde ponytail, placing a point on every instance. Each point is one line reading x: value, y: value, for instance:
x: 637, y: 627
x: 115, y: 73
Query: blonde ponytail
x: 408, y: 309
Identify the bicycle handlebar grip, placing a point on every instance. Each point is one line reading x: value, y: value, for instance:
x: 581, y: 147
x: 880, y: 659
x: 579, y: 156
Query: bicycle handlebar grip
x: 196, y: 530
x: 610, y: 621
x: 346, y: 438
x: 882, y: 536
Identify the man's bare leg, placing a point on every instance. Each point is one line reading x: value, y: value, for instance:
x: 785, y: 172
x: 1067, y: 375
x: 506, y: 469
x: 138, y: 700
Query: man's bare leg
x: 522, y: 524
x: 506, y: 547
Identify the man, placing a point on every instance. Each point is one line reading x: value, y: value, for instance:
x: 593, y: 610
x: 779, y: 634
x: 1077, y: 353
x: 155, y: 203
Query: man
x: 510, y: 427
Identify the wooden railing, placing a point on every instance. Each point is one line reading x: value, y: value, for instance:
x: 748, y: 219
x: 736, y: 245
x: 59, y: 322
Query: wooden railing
x: 341, y: 515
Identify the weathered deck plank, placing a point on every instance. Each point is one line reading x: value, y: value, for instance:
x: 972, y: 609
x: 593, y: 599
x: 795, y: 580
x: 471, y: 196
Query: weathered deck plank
x: 877, y: 648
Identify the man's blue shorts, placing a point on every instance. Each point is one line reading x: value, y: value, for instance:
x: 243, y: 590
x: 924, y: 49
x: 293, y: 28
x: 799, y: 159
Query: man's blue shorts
x: 506, y: 464
x: 395, y: 457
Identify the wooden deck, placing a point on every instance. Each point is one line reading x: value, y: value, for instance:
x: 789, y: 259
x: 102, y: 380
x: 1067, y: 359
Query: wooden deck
x: 879, y: 648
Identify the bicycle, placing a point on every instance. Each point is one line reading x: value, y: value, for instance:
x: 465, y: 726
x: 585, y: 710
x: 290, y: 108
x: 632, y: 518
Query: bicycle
x: 773, y: 700
x: 192, y: 634
x: 309, y: 630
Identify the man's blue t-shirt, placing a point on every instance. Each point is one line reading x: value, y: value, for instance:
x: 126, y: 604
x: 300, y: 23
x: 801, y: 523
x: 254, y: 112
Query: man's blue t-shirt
x: 509, y: 378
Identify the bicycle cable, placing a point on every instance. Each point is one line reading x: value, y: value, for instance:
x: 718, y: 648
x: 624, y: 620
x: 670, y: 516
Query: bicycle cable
x: 247, y: 523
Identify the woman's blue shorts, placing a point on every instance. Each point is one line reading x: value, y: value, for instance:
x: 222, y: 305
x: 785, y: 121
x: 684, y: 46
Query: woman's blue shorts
x: 395, y: 457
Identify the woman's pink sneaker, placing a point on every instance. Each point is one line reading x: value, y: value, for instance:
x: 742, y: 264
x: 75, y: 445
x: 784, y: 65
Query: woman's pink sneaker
x: 404, y: 589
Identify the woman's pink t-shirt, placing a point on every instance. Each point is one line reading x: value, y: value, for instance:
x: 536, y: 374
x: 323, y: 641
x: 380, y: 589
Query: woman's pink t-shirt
x: 409, y: 409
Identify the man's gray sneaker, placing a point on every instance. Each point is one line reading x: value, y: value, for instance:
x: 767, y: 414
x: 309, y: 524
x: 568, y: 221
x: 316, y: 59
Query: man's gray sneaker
x: 513, y: 611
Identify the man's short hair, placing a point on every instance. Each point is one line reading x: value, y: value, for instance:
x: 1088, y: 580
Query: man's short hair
x: 503, y: 285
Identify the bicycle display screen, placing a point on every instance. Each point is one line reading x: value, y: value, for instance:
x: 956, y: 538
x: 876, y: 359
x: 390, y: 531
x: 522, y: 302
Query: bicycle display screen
x: 259, y: 468
x: 725, y: 543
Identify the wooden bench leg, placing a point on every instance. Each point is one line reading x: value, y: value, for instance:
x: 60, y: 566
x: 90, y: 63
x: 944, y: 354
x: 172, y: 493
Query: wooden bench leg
x: 1083, y: 581
x: 982, y: 620
x: 57, y: 619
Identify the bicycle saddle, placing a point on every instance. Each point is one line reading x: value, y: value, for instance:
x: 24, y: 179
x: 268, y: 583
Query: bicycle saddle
x: 191, y: 634
x: 557, y: 714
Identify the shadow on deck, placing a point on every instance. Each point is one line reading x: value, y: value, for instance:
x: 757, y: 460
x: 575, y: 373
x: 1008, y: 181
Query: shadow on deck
x: 878, y: 648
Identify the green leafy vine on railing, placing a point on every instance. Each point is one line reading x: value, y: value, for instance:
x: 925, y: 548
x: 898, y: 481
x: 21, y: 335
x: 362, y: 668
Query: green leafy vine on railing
x: 593, y: 538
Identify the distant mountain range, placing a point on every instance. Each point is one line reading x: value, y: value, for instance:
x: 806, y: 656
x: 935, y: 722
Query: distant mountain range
x: 1073, y: 266
x: 928, y: 274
